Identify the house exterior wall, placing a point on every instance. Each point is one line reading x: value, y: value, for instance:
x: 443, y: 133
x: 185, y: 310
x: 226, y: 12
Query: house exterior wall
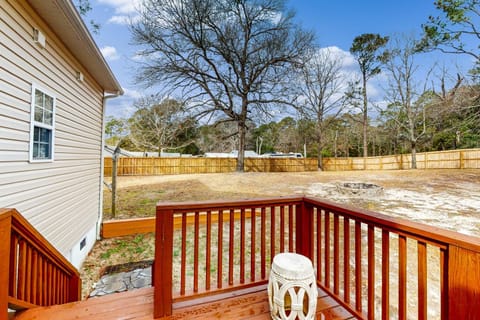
x: 60, y: 197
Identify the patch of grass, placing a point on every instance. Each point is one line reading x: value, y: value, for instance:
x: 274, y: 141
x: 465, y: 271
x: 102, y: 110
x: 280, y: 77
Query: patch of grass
x: 141, y: 200
x: 126, y: 267
x: 133, y: 202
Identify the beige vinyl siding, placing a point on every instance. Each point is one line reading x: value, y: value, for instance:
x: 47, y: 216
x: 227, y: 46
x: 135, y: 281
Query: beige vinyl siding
x: 60, y: 198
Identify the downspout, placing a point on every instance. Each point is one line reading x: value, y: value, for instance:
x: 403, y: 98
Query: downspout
x: 102, y: 163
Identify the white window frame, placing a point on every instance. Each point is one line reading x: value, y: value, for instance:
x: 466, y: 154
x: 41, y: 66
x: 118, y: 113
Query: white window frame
x: 34, y: 124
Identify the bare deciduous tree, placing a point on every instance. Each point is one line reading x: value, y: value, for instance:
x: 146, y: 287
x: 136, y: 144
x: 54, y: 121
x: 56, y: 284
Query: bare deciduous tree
x: 321, y: 86
x: 160, y: 123
x: 407, y: 97
x: 228, y: 58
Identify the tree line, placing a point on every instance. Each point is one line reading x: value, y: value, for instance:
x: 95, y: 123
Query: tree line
x: 241, y: 74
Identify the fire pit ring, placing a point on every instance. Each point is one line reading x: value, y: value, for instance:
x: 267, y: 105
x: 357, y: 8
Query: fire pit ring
x: 359, y: 189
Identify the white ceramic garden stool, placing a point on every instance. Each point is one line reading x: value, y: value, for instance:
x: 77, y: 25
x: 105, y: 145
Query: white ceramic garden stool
x: 292, y: 288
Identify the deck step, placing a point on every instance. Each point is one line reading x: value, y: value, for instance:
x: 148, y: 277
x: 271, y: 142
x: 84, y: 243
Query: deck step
x: 138, y: 305
x: 134, y: 304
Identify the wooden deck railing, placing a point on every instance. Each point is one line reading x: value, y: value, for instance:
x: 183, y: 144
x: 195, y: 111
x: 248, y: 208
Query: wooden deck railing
x: 374, y: 265
x: 381, y: 267
x: 32, y: 272
x: 229, y: 246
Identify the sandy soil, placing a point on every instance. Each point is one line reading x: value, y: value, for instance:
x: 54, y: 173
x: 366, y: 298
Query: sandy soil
x: 446, y: 198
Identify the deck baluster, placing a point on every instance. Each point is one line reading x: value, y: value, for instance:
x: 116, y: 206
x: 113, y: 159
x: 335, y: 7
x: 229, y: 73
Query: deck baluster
x: 422, y: 280
x: 385, y: 275
x: 346, y: 260
x: 220, y: 250
x: 336, y: 255
x: 253, y: 242
x: 242, y: 245
x: 208, y: 248
x: 371, y: 272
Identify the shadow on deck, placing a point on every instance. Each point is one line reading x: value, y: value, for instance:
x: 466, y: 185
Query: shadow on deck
x: 138, y: 304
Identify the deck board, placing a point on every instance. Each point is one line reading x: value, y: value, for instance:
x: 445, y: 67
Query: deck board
x: 138, y: 305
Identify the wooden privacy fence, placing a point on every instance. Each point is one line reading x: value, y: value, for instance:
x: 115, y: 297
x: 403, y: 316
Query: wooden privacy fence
x: 162, y: 166
x: 32, y: 272
x: 451, y: 159
x: 374, y: 265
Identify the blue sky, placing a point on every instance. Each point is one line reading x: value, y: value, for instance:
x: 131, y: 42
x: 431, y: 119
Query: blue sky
x: 335, y: 23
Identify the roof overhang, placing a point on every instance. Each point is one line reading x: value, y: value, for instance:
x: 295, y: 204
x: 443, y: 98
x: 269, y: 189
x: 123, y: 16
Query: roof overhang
x: 65, y: 21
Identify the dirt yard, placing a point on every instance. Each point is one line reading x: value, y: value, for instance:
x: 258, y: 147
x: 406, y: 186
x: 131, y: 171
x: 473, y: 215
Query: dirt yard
x: 436, y: 196
x: 445, y: 198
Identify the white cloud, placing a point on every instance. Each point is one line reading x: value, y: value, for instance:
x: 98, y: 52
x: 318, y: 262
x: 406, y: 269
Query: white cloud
x: 120, y: 107
x: 124, y: 19
x: 351, y: 73
x: 138, y: 57
x: 123, y: 106
x: 348, y: 60
x: 122, y: 7
x: 276, y: 17
x: 141, y: 56
x: 110, y: 53
x: 134, y: 94
x: 373, y: 89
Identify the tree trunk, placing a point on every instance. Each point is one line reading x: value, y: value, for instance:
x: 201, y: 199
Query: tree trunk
x: 320, y: 147
x: 241, y: 146
x: 335, y: 143
x: 365, y: 117
x: 320, y: 161
x: 414, y: 155
x: 413, y: 140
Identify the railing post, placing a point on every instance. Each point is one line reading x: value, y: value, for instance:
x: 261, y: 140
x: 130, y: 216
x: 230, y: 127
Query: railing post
x: 463, y: 279
x: 75, y: 289
x: 303, y: 229
x: 5, y: 227
x: 162, y: 273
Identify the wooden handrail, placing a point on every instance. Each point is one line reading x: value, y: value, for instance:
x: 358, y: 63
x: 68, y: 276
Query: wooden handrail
x: 32, y: 272
x: 233, y: 204
x: 404, y: 226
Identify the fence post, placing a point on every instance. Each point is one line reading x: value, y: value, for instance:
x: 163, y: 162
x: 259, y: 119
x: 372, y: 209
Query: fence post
x: 303, y: 230
x: 5, y: 226
x: 162, y: 273
x: 115, y: 157
x: 463, y: 279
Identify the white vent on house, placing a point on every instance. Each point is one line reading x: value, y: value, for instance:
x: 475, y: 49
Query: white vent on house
x: 39, y: 38
x: 79, y: 76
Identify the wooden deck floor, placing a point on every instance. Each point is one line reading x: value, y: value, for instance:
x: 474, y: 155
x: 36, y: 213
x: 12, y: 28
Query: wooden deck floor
x: 138, y: 305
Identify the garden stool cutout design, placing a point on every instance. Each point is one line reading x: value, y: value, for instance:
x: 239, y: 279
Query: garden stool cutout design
x: 292, y: 288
